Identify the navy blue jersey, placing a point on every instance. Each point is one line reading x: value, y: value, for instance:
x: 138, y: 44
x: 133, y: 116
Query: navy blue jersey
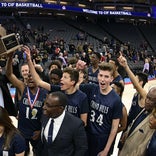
x: 92, y: 77
x: 151, y: 148
x: 55, y: 88
x: 77, y: 102
x: 29, y: 118
x: 135, y: 109
x: 103, y: 109
x: 17, y: 146
x: 117, y: 79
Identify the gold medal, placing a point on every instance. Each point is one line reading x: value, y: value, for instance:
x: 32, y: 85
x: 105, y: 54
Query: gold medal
x: 34, y: 112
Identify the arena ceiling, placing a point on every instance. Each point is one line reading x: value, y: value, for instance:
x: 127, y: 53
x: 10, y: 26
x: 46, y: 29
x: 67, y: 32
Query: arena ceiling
x: 152, y: 2
x: 125, y: 1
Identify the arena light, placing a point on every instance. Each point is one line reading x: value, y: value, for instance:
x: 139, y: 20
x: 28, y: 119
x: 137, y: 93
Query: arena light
x: 109, y: 7
x: 49, y: 13
x: 121, y: 19
x: 60, y: 14
x: 51, y: 1
x: 142, y: 20
x: 22, y: 12
x: 128, y: 8
x: 63, y: 3
x: 82, y: 5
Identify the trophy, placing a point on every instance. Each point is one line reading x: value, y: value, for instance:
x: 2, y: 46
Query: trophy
x: 9, y: 43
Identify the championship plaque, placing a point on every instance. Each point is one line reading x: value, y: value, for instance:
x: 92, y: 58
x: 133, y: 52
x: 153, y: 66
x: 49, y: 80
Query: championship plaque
x: 8, y: 43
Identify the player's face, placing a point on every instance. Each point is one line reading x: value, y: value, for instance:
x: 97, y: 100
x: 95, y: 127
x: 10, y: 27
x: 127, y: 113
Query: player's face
x: 66, y: 82
x: 1, y: 129
x: 53, y: 67
x: 152, y: 121
x: 104, y: 79
x: 30, y: 82
x: 51, y: 107
x: 54, y: 79
x: 81, y: 77
x: 93, y: 59
x: 25, y: 71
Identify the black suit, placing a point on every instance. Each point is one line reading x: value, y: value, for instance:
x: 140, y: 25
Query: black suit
x: 70, y: 141
x: 8, y: 103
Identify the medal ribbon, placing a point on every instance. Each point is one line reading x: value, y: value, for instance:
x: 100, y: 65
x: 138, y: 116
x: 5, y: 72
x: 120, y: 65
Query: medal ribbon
x: 29, y: 98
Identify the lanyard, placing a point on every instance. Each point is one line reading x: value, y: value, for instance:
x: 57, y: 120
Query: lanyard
x: 34, y: 100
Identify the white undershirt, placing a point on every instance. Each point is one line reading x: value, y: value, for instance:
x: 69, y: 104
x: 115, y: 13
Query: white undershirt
x: 57, y: 124
x: 1, y: 98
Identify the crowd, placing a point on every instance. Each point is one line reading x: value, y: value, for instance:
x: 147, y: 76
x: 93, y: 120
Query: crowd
x: 74, y: 107
x: 83, y: 103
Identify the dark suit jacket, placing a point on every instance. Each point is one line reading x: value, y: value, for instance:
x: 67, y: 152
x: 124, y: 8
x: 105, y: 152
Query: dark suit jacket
x: 70, y: 141
x: 8, y: 103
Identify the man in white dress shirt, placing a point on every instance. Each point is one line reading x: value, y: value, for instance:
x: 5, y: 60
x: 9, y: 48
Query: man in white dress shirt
x: 68, y: 135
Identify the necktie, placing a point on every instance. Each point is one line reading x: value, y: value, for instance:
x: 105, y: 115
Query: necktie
x: 50, y: 132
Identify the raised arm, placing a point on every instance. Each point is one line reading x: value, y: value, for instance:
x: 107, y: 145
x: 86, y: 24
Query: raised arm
x: 10, y: 75
x: 122, y: 60
x: 123, y: 120
x: 33, y: 72
x: 112, y: 135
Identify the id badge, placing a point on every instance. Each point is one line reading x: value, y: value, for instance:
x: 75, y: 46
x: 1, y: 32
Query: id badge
x: 5, y: 153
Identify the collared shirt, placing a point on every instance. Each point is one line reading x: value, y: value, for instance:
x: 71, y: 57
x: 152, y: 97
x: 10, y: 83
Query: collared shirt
x: 57, y: 124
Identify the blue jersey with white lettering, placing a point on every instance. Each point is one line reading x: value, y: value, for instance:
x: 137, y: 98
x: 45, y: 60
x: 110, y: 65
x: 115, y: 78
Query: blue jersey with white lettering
x: 17, y: 146
x: 77, y: 102
x: 92, y: 77
x: 103, y: 109
x: 29, y: 118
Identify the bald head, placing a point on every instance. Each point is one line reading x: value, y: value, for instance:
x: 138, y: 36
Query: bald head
x: 54, y: 104
x: 150, y: 101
